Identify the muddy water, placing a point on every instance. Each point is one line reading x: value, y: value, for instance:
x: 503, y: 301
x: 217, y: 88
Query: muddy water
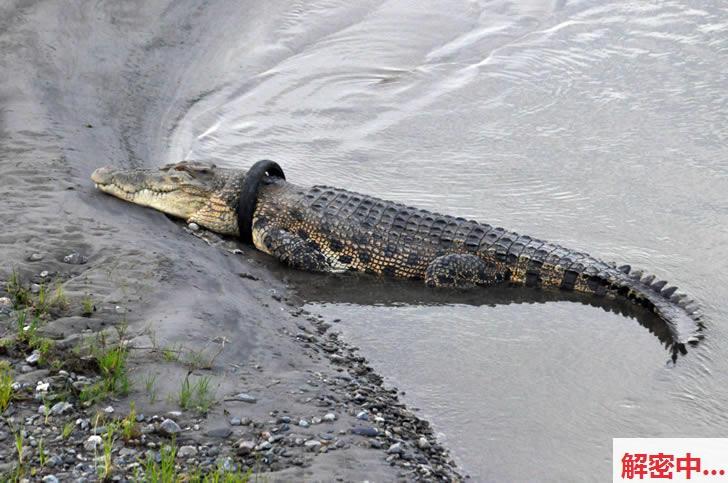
x: 598, y: 125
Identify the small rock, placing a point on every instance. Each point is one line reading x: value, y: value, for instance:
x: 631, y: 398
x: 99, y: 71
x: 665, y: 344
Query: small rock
x: 315, y: 420
x: 193, y: 226
x: 264, y: 446
x: 422, y: 443
x: 246, y: 422
x: 35, y: 257
x: 304, y: 424
x: 61, y: 407
x: 396, y: 448
x: 109, y: 409
x: 54, y: 461
x: 363, y: 415
x: 75, y: 258
x: 92, y: 443
x: 187, y: 451
x: 169, y: 427
x: 6, y: 305
x: 229, y: 465
x: 329, y: 417
x: 235, y: 421
x: 312, y: 445
x: 34, y: 288
x: 33, y: 358
x: 244, y: 398
x: 42, y: 386
x: 370, y: 432
x: 44, y: 274
x: 219, y: 433
x: 174, y: 414
x: 50, y: 479
x: 245, y: 447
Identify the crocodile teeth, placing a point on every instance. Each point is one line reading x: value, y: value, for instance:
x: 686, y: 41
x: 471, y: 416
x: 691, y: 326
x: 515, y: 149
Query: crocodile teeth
x: 648, y: 279
x: 637, y: 274
x: 657, y: 286
x: 667, y: 293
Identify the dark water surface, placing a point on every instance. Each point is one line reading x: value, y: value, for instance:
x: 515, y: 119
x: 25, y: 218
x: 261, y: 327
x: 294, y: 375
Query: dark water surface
x: 598, y: 125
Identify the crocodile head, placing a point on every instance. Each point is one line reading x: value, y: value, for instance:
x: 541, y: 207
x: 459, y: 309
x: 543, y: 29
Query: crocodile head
x: 196, y: 192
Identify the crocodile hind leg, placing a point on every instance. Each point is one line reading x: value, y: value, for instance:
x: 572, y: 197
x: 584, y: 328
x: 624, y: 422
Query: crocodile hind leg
x: 460, y: 271
x: 290, y: 248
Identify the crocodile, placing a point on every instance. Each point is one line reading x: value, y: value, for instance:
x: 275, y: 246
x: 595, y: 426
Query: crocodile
x: 327, y: 229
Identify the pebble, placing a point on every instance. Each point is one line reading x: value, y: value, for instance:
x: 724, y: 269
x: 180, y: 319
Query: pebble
x: 371, y: 432
x: 265, y: 445
x: 396, y: 448
x: 422, y: 443
x: 245, y: 447
x: 304, y: 424
x: 35, y: 257
x: 363, y: 415
x: 33, y: 358
x: 169, y: 427
x: 193, y: 226
x: 187, y: 451
x: 6, y: 305
x: 44, y: 274
x: 315, y: 420
x: 34, y: 288
x: 92, y: 443
x: 330, y: 417
x: 75, y: 258
x: 61, y: 407
x: 109, y: 409
x: 312, y: 445
x: 50, y: 479
x: 244, y: 398
x: 235, y: 421
x: 42, y: 386
x: 219, y: 432
x: 229, y: 465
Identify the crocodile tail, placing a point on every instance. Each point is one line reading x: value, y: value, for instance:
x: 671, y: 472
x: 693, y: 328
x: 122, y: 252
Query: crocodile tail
x: 675, y: 309
x: 579, y: 272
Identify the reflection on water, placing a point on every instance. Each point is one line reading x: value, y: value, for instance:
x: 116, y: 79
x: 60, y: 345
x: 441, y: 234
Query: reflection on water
x: 597, y: 125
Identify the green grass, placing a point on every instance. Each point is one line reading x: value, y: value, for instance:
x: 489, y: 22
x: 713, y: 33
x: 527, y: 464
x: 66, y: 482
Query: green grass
x: 104, y: 471
x: 42, y: 456
x: 43, y: 303
x: 149, y: 383
x: 59, y: 300
x: 129, y: 426
x: 114, y: 376
x: 170, y: 354
x: 67, y: 430
x: 6, y: 386
x: 166, y: 472
x: 196, y: 396
x: 18, y: 293
x: 87, y: 306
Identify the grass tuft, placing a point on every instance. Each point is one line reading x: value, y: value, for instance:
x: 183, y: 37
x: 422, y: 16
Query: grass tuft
x: 6, y: 386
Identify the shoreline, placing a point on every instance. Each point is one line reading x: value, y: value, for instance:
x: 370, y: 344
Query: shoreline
x: 183, y: 313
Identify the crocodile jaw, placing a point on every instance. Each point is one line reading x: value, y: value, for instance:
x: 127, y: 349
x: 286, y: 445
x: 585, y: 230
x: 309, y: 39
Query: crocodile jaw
x: 168, y: 190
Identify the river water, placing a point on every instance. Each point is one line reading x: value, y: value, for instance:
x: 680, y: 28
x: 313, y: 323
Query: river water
x: 597, y: 125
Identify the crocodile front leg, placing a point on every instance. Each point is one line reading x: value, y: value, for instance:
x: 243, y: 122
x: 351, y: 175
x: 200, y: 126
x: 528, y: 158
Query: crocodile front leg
x: 460, y: 271
x: 289, y: 248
